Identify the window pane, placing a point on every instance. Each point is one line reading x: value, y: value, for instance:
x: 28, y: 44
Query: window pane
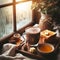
x: 5, y: 1
x: 6, y: 18
x: 23, y: 14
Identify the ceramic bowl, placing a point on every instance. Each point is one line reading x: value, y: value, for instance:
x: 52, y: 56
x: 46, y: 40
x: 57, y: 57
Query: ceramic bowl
x: 45, y: 49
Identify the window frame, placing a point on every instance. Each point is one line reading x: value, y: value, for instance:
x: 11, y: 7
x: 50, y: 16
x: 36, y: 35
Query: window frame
x: 14, y: 3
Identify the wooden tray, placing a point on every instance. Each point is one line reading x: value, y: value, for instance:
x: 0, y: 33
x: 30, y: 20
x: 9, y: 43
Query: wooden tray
x: 36, y: 56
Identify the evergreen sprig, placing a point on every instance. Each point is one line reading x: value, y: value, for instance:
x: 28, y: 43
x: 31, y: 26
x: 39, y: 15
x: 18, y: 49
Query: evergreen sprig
x: 46, y: 6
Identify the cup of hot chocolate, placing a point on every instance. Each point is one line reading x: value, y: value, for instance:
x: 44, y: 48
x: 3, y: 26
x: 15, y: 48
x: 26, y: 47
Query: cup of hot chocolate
x: 32, y: 35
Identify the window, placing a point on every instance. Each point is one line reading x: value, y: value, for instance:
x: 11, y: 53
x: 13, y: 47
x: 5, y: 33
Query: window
x: 23, y: 14
x: 14, y: 14
x: 6, y: 19
x: 5, y: 1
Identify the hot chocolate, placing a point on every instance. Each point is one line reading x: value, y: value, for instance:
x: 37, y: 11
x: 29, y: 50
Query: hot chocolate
x: 32, y: 30
x: 32, y: 35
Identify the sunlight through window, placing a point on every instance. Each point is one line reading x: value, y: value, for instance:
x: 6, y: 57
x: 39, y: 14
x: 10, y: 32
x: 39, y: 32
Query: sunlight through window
x: 23, y: 14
